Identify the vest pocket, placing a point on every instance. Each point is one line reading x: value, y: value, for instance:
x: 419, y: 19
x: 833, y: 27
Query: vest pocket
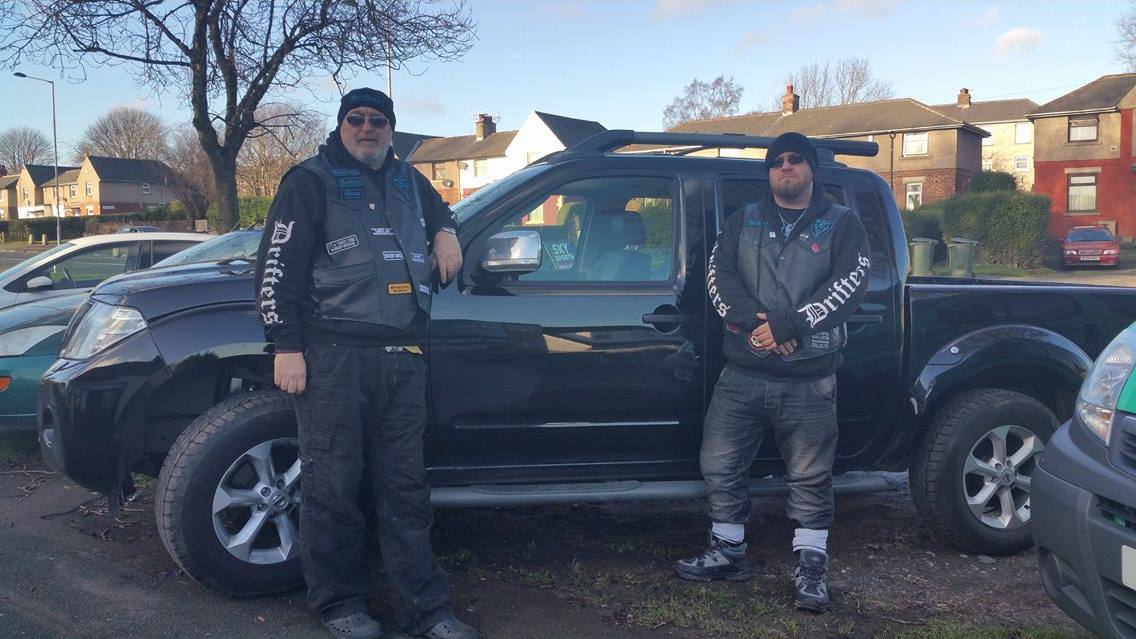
x: 341, y: 274
x: 347, y: 293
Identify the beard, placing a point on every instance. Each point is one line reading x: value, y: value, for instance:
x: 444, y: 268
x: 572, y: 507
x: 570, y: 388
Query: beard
x: 790, y: 190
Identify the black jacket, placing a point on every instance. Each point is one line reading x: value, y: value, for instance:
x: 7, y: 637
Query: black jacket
x: 833, y: 279
x: 301, y: 201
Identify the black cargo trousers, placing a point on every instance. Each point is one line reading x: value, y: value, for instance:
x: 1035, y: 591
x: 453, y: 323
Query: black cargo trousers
x: 361, y: 421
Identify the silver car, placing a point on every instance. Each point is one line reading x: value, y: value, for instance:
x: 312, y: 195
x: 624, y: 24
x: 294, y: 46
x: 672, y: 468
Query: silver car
x: 81, y: 264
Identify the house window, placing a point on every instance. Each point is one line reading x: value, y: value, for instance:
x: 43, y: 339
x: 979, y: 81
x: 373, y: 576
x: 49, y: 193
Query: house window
x: 914, y: 195
x: 26, y: 202
x: 915, y: 143
x: 480, y: 167
x: 90, y: 209
x: 1021, y: 163
x: 988, y: 164
x: 1023, y: 133
x: 90, y: 189
x: 1083, y: 128
x: 145, y: 188
x: 1082, y: 193
x: 74, y: 189
x: 439, y: 170
x: 988, y: 140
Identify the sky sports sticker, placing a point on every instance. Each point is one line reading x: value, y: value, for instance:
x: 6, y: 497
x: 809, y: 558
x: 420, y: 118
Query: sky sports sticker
x: 342, y: 244
x: 392, y: 256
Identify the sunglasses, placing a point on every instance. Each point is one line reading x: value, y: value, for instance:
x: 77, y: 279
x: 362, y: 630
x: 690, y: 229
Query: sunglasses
x: 357, y: 120
x: 791, y: 158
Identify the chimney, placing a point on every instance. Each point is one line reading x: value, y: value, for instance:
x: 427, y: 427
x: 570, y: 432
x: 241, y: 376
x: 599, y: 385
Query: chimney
x: 964, y: 98
x: 484, y: 126
x: 790, y: 102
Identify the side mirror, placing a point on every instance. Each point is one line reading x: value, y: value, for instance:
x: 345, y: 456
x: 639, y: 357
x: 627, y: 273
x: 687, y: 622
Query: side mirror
x: 512, y: 252
x: 38, y: 282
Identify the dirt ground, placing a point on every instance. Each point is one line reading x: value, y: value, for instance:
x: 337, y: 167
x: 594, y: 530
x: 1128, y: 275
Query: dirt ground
x: 557, y: 571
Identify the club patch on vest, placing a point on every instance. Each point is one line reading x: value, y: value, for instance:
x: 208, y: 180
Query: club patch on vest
x: 418, y: 257
x: 401, y: 185
x: 401, y: 288
x: 754, y: 223
x: 822, y: 227
x: 422, y: 288
x: 392, y: 256
x: 349, y: 183
x: 342, y: 244
x: 382, y: 231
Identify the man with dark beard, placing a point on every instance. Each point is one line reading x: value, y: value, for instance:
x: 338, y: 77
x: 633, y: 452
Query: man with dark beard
x: 785, y: 275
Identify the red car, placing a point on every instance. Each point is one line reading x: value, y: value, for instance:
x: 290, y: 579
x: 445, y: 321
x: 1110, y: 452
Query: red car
x: 1090, y: 245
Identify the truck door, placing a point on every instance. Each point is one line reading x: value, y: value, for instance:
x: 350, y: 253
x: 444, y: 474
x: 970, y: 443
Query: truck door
x: 591, y: 359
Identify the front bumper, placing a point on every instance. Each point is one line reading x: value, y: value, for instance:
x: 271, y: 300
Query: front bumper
x: 1083, y: 515
x: 89, y: 409
x: 1090, y: 260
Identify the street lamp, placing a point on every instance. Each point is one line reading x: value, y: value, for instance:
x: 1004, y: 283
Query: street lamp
x: 55, y: 143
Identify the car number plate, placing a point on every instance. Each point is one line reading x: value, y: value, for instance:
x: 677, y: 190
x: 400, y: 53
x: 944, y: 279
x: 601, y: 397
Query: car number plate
x: 1090, y: 258
x: 1128, y: 566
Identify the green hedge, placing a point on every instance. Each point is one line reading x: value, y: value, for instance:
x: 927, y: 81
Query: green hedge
x: 990, y: 181
x: 71, y: 227
x: 1010, y: 226
x: 254, y: 212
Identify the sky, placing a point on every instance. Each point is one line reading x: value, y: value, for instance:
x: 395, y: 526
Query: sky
x: 622, y: 62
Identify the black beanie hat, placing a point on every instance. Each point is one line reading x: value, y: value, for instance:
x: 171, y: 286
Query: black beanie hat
x: 795, y: 142
x: 366, y: 97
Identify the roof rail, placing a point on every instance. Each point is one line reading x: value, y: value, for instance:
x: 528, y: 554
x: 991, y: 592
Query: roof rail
x: 616, y: 138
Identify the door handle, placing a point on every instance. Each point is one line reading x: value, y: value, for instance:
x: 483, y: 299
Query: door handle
x: 668, y: 318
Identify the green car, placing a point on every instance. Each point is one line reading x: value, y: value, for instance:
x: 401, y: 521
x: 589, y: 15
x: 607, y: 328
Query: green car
x: 1084, y: 499
x: 31, y: 333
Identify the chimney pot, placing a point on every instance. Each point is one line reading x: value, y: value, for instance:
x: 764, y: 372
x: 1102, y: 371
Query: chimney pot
x: 964, y: 98
x: 484, y: 126
x: 790, y: 102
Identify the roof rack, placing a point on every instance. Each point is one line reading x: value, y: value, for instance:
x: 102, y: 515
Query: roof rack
x: 616, y: 138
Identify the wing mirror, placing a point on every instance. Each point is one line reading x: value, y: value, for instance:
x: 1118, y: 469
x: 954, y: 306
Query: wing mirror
x: 38, y: 282
x: 512, y: 252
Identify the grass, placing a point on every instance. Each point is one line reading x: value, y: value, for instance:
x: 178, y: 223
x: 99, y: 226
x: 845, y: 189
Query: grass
x: 18, y: 448
x: 944, y: 630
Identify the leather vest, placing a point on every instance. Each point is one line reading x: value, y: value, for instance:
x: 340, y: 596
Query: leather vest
x: 371, y: 262
x: 782, y: 274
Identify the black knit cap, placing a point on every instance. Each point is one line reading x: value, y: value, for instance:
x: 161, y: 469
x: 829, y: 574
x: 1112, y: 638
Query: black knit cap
x: 366, y: 97
x: 795, y: 142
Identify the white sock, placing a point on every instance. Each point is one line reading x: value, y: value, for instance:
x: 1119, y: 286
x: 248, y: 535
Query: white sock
x: 810, y: 538
x: 732, y: 533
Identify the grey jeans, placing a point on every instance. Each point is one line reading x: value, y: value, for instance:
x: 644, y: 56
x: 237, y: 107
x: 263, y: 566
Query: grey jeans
x: 803, y: 418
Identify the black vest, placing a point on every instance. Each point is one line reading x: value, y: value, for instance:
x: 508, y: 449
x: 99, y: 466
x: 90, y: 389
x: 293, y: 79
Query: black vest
x: 371, y: 263
x: 783, y: 273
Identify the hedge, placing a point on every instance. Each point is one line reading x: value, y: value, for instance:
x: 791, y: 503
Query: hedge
x: 990, y: 181
x: 254, y: 212
x: 1010, y: 226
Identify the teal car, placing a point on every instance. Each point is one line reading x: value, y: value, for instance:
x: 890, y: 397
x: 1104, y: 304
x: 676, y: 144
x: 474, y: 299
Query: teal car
x: 1084, y: 499
x: 31, y: 333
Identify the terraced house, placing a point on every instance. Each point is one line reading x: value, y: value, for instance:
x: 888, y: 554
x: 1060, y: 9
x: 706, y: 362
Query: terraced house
x: 29, y: 189
x: 105, y: 185
x: 8, y: 196
x: 1009, y: 147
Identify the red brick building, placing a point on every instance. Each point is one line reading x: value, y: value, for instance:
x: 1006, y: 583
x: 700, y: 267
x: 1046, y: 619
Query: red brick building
x: 1083, y: 156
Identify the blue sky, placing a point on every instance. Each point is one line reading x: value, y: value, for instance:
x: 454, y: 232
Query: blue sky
x: 622, y: 62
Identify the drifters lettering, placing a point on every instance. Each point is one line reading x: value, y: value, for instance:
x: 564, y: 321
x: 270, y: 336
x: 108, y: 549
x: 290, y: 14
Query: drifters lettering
x: 273, y: 272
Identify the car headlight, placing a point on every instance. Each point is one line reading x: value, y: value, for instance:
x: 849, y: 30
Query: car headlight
x: 102, y: 326
x: 1110, y: 251
x: 1096, y: 403
x: 1070, y: 252
x: 20, y: 341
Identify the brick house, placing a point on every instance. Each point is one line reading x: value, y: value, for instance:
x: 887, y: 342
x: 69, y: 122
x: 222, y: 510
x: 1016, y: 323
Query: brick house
x: 1009, y: 147
x: 29, y: 189
x: 441, y: 159
x: 104, y: 186
x: 8, y: 196
x: 924, y: 154
x: 1083, y: 156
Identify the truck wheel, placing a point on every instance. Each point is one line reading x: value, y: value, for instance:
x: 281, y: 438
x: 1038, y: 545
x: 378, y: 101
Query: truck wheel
x: 970, y: 479
x: 227, y: 500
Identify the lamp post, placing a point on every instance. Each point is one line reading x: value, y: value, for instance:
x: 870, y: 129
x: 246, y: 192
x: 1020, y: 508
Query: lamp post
x: 55, y: 144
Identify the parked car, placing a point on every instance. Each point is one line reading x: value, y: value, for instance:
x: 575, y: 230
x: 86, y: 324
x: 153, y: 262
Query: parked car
x: 137, y: 229
x: 1090, y: 246
x: 1085, y: 499
x: 31, y: 333
x: 572, y: 360
x: 80, y: 264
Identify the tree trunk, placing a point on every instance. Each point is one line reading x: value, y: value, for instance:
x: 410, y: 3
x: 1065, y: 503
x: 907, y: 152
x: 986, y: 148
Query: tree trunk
x: 225, y: 176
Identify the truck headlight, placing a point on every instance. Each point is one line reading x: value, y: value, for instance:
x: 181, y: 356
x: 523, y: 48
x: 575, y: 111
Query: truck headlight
x: 1096, y: 403
x: 102, y: 326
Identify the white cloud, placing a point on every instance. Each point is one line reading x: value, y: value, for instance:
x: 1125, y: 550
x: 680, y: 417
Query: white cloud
x: 672, y: 8
x: 421, y: 105
x: 1017, y: 40
x: 863, y: 8
x: 751, y: 40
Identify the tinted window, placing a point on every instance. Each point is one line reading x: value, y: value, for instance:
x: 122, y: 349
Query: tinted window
x: 238, y: 244
x: 162, y: 250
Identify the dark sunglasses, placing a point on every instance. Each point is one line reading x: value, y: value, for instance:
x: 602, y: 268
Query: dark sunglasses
x: 357, y: 120
x: 791, y: 158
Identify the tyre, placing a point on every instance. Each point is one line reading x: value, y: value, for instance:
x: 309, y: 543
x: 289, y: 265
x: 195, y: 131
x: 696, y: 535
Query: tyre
x: 227, y: 500
x: 970, y: 479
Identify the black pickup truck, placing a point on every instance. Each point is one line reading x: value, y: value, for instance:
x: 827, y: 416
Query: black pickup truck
x: 573, y: 360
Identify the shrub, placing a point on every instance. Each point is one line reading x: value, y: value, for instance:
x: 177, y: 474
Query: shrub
x: 990, y: 181
x: 253, y: 210
x: 1010, y: 226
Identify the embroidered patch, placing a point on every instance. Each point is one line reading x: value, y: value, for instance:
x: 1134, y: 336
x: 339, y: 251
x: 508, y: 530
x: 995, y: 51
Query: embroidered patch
x: 392, y: 256
x: 752, y: 223
x: 342, y: 244
x: 422, y: 288
x: 822, y: 227
x: 418, y: 257
x: 402, y: 288
x: 401, y: 184
x: 345, y: 172
x: 381, y: 231
x: 349, y: 182
x: 350, y: 194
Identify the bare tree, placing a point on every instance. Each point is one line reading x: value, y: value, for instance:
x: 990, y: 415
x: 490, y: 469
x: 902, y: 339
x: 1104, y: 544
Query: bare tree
x: 289, y: 134
x: 195, y: 186
x: 23, y: 145
x: 227, y: 56
x: 846, y: 81
x: 701, y: 100
x: 125, y: 132
x: 1126, y: 30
